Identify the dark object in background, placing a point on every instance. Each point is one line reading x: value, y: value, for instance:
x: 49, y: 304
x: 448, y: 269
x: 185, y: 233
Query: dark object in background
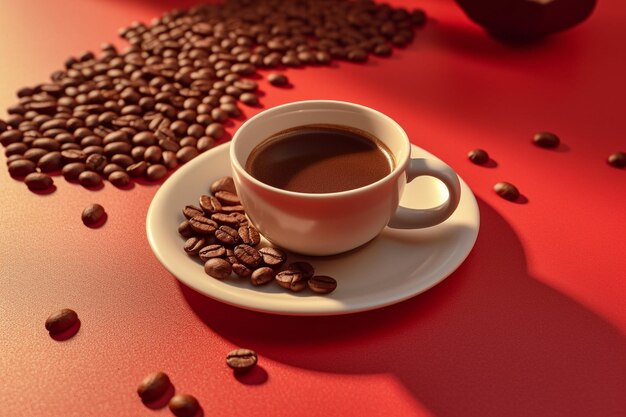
x: 526, y: 20
x: 546, y: 140
x: 617, y: 159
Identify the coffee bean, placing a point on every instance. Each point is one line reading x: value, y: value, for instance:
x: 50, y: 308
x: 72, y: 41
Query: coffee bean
x: 273, y: 256
x: 89, y: 179
x: 617, y: 159
x: 137, y: 169
x: 215, y: 130
x: 93, y: 214
x: 223, y: 184
x: 119, y: 178
x: 241, y: 360
x: 36, y: 181
x: 249, y: 98
x: 227, y: 235
x: 21, y: 168
x: 153, y: 387
x: 122, y: 160
x: 17, y: 148
x: 305, y: 268
x: 109, y: 168
x: 203, y: 225
x: 249, y: 235
x: 546, y: 140
x: 72, y: 170
x: 155, y: 172
x: 291, y: 279
x: 186, y: 154
x: 225, y: 219
x: 478, y: 156
x: 73, y: 155
x: 194, y: 244
x: 47, y: 144
x: 212, y: 251
x: 507, y: 191
x: 153, y: 154
x: 227, y: 198
x: 10, y: 136
x: 247, y: 255
x: 145, y: 138
x: 241, y: 270
x: 185, y: 230
x: 210, y: 205
x: 96, y: 162
x: 263, y: 275
x: 117, y: 148
x: 61, y: 321
x: 322, y: 284
x: 190, y: 211
x: 218, y: 268
x: 169, y: 159
x: 184, y: 405
x: 34, y: 154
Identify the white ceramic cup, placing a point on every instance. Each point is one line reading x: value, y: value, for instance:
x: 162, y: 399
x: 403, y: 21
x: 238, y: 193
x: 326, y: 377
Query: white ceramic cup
x: 331, y: 223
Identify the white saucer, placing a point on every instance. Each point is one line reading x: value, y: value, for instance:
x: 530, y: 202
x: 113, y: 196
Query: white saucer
x: 396, y: 265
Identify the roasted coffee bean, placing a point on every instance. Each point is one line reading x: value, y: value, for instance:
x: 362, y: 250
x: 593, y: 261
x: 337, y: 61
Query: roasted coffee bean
x: 617, y: 159
x: 73, y: 155
x: 249, y: 235
x: 240, y: 218
x: 34, y: 154
x: 546, y: 140
x: 21, y: 168
x: 119, y: 178
x: 249, y: 98
x: 17, y: 148
x: 227, y: 198
x: 122, y: 160
x: 117, y: 136
x: 291, y: 279
x: 507, y: 191
x: 215, y: 130
x: 247, y: 255
x: 61, y: 321
x: 186, y: 154
x: 241, y: 270
x: 50, y: 162
x: 185, y: 230
x: 153, y: 154
x: 210, y: 205
x: 263, y: 275
x: 37, y: 181
x: 218, y: 268
x: 153, y: 387
x: 241, y: 360
x: 117, y: 148
x: 212, y: 251
x: 169, y: 159
x: 203, y: 225
x: 145, y: 138
x: 155, y: 172
x: 223, y: 184
x: 137, y: 169
x: 194, y: 244
x: 305, y: 268
x: 190, y: 211
x: 109, y: 168
x: 96, y: 162
x: 93, y: 214
x: 72, y: 170
x: 478, y: 156
x: 10, y: 136
x: 273, y: 256
x: 12, y: 158
x: 322, y: 284
x: 225, y: 219
x: 89, y: 179
x: 47, y: 144
x: 184, y: 405
x: 90, y: 150
x: 227, y: 235
x: 205, y: 143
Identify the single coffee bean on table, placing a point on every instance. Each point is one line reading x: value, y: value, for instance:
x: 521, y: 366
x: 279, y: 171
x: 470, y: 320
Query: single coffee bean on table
x: 36, y: 181
x: 546, y: 140
x: 93, y: 214
x: 478, y: 156
x: 184, y: 405
x: 241, y: 360
x: 506, y: 190
x: 61, y: 321
x: 153, y: 387
x: 617, y: 159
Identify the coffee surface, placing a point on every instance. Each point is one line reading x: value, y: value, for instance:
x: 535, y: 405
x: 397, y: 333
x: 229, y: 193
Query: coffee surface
x: 320, y: 159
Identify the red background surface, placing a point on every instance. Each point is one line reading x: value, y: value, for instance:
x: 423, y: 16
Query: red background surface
x: 532, y: 324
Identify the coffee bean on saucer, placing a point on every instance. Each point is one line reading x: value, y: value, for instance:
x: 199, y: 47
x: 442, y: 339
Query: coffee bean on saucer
x: 241, y: 360
x: 278, y: 80
x: 273, y: 256
x: 185, y: 230
x: 218, y: 268
x: 194, y: 244
x: 184, y: 405
x: 246, y: 254
x: 291, y: 279
x: 478, y: 156
x: 617, y: 159
x: 546, y: 140
x: 322, y: 284
x: 210, y: 204
x: 153, y: 387
x: 263, y: 275
x: 223, y: 184
x: 249, y: 235
x: 227, y: 235
x: 233, y: 209
x: 93, y: 214
x: 226, y: 219
x: 305, y: 268
x: 61, y: 320
x: 191, y: 211
x: 241, y: 270
x: 202, y: 225
x: 507, y: 191
x: 37, y: 181
x: 227, y: 198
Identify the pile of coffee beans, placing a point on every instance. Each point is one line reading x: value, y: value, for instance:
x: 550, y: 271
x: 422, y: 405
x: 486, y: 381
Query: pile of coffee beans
x: 219, y: 233
x: 163, y: 100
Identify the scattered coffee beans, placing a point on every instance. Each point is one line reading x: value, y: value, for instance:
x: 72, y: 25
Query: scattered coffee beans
x: 61, y: 321
x: 478, y: 156
x: 546, y: 140
x: 153, y: 387
x: 93, y: 214
x: 617, y: 159
x: 184, y: 405
x: 241, y: 360
x: 507, y: 191
x: 227, y: 244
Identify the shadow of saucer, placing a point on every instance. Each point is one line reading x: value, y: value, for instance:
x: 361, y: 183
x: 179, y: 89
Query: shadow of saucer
x: 491, y: 340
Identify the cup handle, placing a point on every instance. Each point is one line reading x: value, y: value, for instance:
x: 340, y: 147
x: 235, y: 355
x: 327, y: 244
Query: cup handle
x: 407, y: 218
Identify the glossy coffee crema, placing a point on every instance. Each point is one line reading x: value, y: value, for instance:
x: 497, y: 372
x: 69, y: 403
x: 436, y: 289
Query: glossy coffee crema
x: 320, y: 159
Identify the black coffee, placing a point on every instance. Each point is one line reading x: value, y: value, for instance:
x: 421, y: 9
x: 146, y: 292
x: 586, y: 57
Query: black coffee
x: 320, y: 159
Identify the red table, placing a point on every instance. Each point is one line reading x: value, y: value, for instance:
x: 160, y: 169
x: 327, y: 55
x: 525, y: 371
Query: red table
x: 532, y: 324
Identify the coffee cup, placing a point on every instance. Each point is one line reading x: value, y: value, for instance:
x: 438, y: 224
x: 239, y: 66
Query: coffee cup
x: 327, y: 223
